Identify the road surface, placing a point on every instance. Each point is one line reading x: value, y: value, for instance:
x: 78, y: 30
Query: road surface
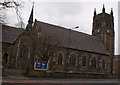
x: 11, y: 77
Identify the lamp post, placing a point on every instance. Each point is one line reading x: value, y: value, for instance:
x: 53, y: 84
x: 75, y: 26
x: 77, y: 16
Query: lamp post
x: 69, y: 39
x: 67, y: 54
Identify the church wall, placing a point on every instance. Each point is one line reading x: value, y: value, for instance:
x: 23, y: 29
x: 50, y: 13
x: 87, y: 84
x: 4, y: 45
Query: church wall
x: 26, y: 41
x: 5, y: 47
x: 65, y: 66
x: 78, y: 67
x: 116, y: 67
x: 13, y: 52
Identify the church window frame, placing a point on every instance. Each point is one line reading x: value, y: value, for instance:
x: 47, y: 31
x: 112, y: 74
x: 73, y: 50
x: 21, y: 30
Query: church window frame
x: 84, y: 61
x: 72, y: 59
x: 93, y: 62
x: 24, y: 51
x: 60, y: 58
x: 103, y: 64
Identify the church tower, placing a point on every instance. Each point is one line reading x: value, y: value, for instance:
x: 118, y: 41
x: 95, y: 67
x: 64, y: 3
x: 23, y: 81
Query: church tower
x: 103, y: 28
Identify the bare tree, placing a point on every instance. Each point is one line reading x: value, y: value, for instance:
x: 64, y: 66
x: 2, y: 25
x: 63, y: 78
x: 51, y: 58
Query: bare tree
x: 2, y: 17
x: 19, y: 17
x: 12, y: 4
x: 46, y: 47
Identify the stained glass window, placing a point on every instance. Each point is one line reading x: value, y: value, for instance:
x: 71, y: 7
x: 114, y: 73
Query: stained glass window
x: 93, y: 63
x: 24, y: 51
x: 60, y: 58
x: 84, y: 61
x: 73, y: 60
x: 103, y: 64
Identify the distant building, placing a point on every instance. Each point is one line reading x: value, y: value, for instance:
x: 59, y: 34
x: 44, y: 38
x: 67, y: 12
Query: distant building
x: 79, y: 52
x: 116, y: 65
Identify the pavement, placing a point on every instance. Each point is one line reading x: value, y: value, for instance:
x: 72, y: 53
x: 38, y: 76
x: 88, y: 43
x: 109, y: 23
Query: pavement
x: 14, y: 77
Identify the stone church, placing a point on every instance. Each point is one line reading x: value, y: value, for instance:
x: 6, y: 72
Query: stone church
x: 76, y: 52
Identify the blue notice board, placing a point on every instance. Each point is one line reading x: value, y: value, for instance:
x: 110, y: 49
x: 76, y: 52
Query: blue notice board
x: 41, y: 65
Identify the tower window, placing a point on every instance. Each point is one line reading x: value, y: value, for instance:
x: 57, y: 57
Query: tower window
x: 108, y: 22
x: 98, y: 23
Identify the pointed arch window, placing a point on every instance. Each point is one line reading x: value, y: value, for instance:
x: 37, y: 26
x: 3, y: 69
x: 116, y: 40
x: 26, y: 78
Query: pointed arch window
x: 60, y: 56
x: 93, y: 63
x: 73, y: 60
x: 103, y: 64
x: 84, y: 61
x: 24, y: 51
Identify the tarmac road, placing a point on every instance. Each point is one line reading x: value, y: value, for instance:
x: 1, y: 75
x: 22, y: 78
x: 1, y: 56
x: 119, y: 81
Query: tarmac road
x: 13, y: 77
x: 55, y: 84
x: 54, y: 81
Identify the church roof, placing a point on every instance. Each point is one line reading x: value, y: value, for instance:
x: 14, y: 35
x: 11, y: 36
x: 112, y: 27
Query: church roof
x: 10, y: 34
x: 78, y: 40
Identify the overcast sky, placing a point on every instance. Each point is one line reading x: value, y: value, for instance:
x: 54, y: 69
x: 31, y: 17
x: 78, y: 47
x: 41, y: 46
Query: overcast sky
x: 67, y: 14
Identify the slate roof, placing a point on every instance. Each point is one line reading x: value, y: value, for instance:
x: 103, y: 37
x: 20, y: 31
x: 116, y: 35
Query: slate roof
x: 78, y: 40
x: 10, y: 34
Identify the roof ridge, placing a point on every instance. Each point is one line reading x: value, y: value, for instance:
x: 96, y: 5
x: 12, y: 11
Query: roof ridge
x: 12, y: 27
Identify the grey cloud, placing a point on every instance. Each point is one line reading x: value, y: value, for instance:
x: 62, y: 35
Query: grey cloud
x: 66, y: 14
x: 60, y: 9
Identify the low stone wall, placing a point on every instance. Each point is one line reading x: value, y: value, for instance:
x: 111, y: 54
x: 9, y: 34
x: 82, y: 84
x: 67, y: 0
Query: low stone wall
x: 53, y: 74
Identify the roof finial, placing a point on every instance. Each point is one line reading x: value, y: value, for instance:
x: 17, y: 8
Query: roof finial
x: 103, y: 10
x: 111, y: 11
x: 94, y: 11
x: 33, y: 4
